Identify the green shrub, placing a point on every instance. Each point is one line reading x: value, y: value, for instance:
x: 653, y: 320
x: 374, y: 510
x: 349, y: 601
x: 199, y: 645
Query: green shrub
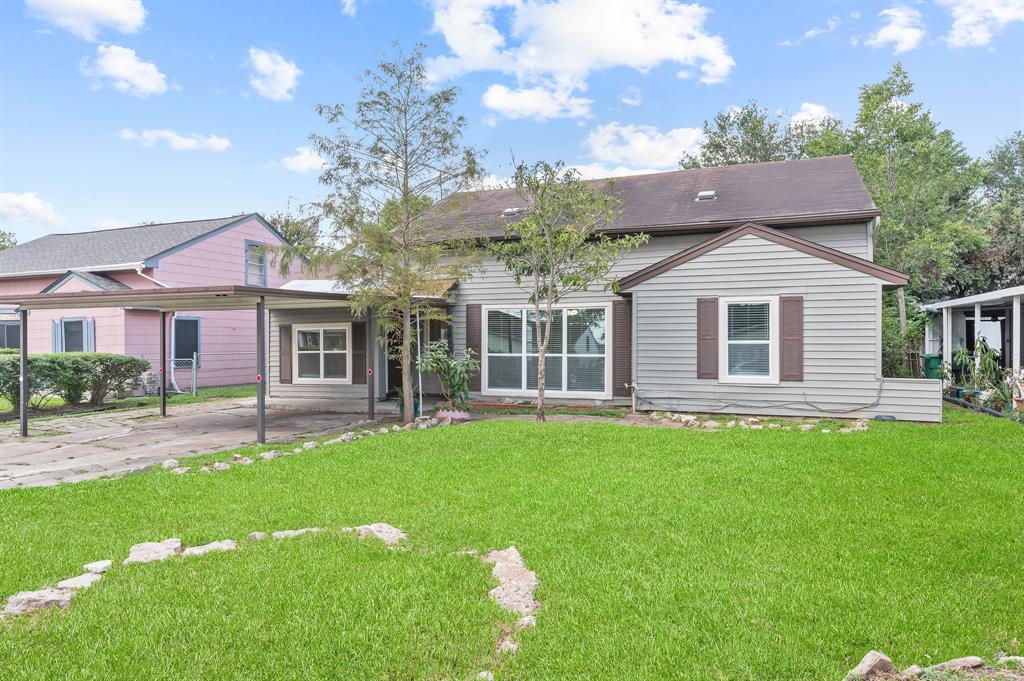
x: 70, y: 375
x: 112, y: 373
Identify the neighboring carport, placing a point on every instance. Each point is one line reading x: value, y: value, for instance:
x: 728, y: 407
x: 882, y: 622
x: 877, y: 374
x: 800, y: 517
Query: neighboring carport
x: 194, y: 298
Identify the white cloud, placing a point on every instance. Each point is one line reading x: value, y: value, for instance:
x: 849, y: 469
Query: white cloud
x: 348, y: 7
x: 273, y: 76
x: 191, y: 142
x: 555, y: 46
x: 830, y: 25
x: 810, y: 113
x: 633, y: 96
x: 594, y: 171
x: 27, y: 207
x: 86, y: 18
x: 905, y: 30
x: 975, y: 23
x: 537, y: 103
x: 855, y: 15
x: 126, y: 72
x: 305, y: 160
x: 641, y: 145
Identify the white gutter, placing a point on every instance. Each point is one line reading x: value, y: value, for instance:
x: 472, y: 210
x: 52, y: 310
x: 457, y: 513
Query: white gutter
x: 138, y: 271
x: 1002, y: 295
x: 91, y: 268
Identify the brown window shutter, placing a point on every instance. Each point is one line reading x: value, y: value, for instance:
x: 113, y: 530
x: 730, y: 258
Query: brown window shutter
x: 707, y: 338
x: 622, y: 346
x: 791, y: 338
x: 473, y: 328
x: 359, y: 353
x: 284, y: 358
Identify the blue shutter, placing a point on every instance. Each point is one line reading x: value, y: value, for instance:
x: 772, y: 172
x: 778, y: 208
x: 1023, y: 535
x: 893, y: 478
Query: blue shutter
x: 56, y: 342
x: 89, y: 335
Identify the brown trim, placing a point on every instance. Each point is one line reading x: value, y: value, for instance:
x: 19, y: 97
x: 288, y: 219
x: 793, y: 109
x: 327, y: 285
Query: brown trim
x: 622, y: 347
x: 284, y: 356
x: 707, y: 338
x: 359, y: 349
x: 474, y: 323
x: 769, y: 234
x: 791, y: 338
x: 129, y: 296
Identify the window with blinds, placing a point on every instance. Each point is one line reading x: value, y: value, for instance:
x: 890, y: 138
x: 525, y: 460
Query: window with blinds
x: 749, y: 339
x: 576, y: 358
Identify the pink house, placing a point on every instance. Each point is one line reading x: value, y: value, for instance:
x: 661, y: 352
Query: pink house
x: 220, y: 251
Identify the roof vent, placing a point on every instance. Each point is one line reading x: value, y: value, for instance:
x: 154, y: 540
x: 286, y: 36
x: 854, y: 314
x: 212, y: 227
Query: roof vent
x: 511, y: 212
x: 706, y: 195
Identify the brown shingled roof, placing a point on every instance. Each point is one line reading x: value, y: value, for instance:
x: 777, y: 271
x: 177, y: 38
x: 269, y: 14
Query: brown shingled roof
x: 781, y: 193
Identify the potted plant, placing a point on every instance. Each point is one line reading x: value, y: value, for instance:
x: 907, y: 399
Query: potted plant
x: 453, y: 376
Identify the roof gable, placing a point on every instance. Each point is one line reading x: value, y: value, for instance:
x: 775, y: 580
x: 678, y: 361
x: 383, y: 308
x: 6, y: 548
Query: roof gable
x: 112, y: 249
x: 95, y: 281
x: 796, y: 243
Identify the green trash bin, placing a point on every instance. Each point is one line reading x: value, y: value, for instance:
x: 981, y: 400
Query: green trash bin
x: 932, y: 365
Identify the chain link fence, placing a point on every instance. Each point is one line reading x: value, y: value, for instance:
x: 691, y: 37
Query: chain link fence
x: 230, y: 373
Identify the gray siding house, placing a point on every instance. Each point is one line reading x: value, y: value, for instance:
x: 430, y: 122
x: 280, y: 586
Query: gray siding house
x: 756, y: 294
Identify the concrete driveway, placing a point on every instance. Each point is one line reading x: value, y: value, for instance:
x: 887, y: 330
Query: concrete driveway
x: 76, y: 448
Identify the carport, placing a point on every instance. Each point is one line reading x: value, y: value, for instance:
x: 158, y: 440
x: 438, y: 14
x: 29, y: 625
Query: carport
x: 193, y: 298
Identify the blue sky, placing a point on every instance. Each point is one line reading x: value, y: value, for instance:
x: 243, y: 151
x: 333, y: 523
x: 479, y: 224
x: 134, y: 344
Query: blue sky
x: 114, y: 113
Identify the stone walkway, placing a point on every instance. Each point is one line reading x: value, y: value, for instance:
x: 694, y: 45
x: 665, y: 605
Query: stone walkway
x: 75, y: 448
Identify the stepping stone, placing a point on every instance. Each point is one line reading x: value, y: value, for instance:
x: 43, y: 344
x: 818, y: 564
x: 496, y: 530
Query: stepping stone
x: 150, y: 552
x: 98, y: 567
x: 285, y: 534
x: 180, y: 470
x: 267, y: 456
x: 245, y: 461
x: 516, y: 584
x: 221, y: 466
x: 27, y: 601
x: 256, y: 536
x: 83, y: 581
x: 971, y: 662
x: 386, y: 533
x: 222, y: 545
x: 873, y: 664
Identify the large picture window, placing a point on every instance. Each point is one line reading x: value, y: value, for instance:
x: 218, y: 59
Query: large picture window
x: 255, y: 264
x: 576, y: 360
x: 322, y: 353
x: 748, y: 337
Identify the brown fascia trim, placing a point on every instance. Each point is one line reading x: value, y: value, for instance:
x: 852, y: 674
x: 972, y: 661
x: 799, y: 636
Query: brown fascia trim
x: 805, y: 220
x: 796, y: 243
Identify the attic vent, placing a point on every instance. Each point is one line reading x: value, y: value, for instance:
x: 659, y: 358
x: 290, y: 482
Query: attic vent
x: 706, y: 195
x: 511, y: 212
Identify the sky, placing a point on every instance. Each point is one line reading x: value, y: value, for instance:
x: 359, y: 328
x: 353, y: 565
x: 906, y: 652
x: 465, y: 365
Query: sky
x: 118, y: 112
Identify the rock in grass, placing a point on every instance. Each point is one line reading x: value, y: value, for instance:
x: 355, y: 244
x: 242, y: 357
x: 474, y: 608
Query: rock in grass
x: 244, y: 461
x: 310, y: 445
x: 807, y: 426
x: 169, y: 463
x: 98, y: 567
x: 267, y: 456
x: 222, y: 545
x: 285, y: 534
x: 180, y: 470
x: 348, y: 437
x: 913, y: 670
x: 383, y: 431
x: 386, y: 533
x: 516, y: 584
x: 710, y: 425
x: 256, y: 536
x: 485, y: 676
x: 873, y: 664
x: 152, y: 551
x: 970, y: 662
x: 526, y: 621
x: 508, y: 647
x: 83, y: 581
x: 221, y: 466
x: 1012, y: 660
x: 396, y: 428
x: 204, y: 469
x: 27, y: 601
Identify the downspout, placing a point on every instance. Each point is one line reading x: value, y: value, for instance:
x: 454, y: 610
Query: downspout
x: 138, y: 271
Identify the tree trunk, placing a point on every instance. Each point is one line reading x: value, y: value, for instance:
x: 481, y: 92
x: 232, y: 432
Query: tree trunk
x: 541, y: 354
x: 901, y: 297
x: 407, y: 395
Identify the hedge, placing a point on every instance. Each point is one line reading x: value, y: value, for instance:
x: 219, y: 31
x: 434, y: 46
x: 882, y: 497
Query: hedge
x: 71, y: 375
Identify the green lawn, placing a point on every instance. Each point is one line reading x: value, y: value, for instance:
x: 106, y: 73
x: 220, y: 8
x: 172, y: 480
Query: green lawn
x: 661, y: 553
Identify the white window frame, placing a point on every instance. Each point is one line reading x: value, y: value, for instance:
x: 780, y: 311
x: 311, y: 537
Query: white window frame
x: 566, y: 394
x: 347, y: 328
x: 773, y: 340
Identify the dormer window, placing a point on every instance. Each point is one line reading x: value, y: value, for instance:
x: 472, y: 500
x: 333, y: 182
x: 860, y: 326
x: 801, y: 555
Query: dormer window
x: 706, y: 195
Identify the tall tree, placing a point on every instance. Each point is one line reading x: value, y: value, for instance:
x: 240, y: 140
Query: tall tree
x: 7, y: 240
x: 392, y: 155
x: 302, y: 231
x: 921, y: 179
x: 556, y: 247
x: 997, y: 263
x: 750, y: 134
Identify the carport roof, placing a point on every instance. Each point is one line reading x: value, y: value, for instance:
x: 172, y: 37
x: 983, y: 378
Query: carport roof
x: 196, y: 298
